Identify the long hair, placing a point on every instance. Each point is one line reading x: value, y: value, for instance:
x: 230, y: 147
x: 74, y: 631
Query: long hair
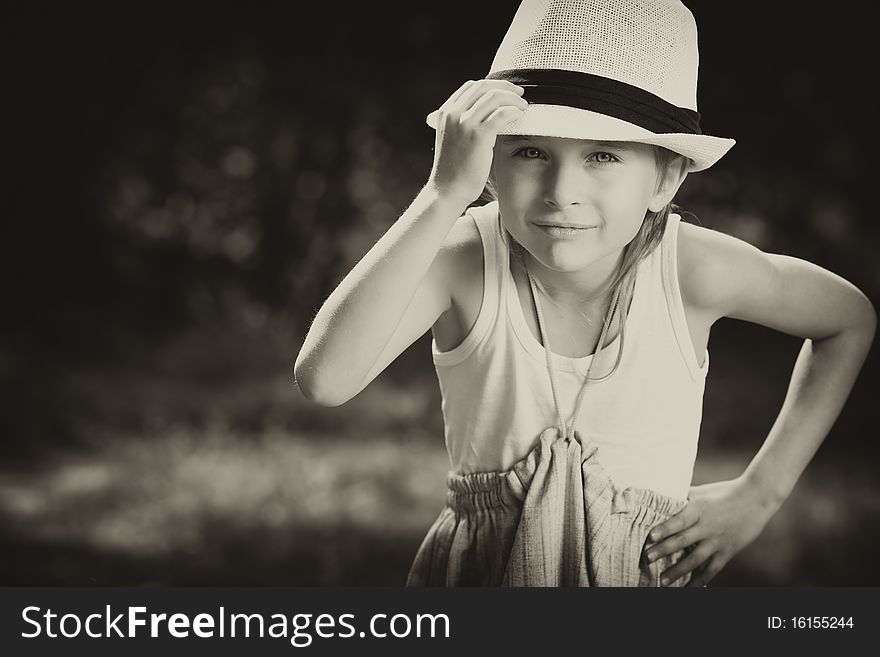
x: 641, y: 246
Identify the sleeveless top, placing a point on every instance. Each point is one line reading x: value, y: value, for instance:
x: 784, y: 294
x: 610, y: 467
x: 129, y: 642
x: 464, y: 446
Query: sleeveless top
x: 645, y: 418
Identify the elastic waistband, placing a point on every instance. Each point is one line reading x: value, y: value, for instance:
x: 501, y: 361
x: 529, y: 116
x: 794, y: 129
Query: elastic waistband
x: 479, y: 491
x: 649, y: 506
x: 486, y: 491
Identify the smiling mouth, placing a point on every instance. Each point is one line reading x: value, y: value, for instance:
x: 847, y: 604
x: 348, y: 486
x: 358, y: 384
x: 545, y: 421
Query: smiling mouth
x: 565, y: 227
x: 563, y: 232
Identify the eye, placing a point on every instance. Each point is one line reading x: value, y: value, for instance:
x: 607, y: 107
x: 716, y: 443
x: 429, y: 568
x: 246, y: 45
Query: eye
x: 603, y: 157
x: 533, y: 153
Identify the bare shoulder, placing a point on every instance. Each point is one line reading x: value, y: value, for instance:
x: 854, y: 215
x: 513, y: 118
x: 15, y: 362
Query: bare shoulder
x: 464, y: 253
x: 464, y: 238
x: 713, y: 266
x: 464, y: 250
x: 725, y: 276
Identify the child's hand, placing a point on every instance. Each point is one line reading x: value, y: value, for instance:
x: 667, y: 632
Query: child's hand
x: 719, y: 520
x: 467, y: 126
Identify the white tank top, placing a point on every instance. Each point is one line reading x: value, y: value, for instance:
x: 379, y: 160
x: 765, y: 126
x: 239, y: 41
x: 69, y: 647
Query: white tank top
x: 645, y: 418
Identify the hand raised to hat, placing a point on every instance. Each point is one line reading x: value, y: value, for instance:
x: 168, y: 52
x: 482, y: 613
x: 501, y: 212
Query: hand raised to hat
x: 468, y: 125
x: 719, y: 520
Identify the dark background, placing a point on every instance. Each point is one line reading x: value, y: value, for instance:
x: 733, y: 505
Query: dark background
x: 187, y: 182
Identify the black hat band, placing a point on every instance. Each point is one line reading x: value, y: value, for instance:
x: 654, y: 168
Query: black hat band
x: 547, y: 86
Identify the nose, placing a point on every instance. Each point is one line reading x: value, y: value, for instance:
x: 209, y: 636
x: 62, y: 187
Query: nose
x: 565, y: 185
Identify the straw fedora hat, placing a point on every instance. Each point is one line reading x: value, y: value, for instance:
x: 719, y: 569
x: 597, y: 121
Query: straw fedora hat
x: 612, y: 70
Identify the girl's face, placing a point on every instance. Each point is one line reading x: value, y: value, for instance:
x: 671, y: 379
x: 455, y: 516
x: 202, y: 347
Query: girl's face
x: 604, y: 188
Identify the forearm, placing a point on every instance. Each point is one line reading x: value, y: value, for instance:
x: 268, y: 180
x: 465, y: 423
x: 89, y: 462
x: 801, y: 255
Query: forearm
x: 823, y: 376
x: 356, y: 321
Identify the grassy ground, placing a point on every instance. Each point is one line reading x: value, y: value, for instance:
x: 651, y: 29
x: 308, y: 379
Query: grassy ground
x: 186, y: 476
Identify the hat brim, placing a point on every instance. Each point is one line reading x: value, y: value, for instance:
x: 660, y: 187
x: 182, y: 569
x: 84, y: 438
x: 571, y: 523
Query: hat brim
x: 577, y: 123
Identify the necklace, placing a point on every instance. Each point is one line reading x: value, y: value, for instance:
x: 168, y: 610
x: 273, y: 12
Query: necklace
x: 565, y: 314
x: 606, y: 324
x: 581, y: 301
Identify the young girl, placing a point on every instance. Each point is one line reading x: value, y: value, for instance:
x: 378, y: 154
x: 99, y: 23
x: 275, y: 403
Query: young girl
x: 571, y: 315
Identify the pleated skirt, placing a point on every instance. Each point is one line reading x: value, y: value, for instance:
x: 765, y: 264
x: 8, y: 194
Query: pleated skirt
x: 555, y: 518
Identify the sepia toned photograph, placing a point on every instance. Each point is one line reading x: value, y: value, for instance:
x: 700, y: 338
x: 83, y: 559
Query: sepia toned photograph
x: 527, y: 293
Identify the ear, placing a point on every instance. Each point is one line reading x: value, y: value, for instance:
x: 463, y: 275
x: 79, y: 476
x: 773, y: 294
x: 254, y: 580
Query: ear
x: 669, y: 182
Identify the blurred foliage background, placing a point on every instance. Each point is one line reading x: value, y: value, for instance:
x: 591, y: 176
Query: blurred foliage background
x: 187, y: 182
